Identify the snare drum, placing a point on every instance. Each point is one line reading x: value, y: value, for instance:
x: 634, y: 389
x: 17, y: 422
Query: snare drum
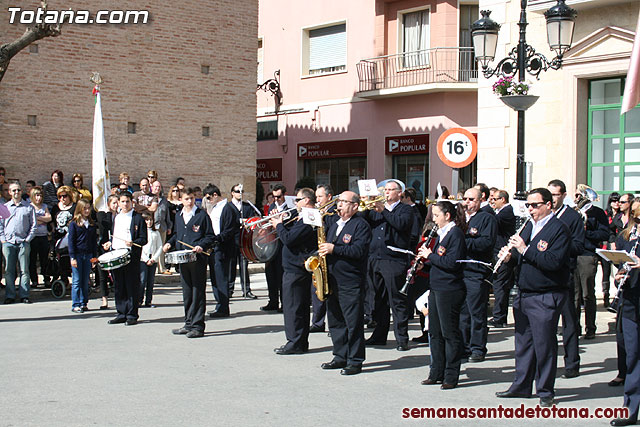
x: 180, y: 257
x: 114, y: 259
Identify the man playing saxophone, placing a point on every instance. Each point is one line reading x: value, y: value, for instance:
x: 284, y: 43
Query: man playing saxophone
x: 346, y: 250
x: 299, y: 241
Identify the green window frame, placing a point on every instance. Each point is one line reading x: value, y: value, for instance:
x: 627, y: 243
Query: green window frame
x: 606, y: 129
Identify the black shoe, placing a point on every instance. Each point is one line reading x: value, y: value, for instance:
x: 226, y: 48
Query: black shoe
x: 424, y: 338
x: 286, y: 351
x: 494, y: 324
x: 269, y: 307
x: 316, y: 328
x: 614, y: 383
x: 622, y: 422
x: 590, y: 335
x: 510, y: 394
x: 131, y: 322
x: 372, y: 324
x: 429, y: 381
x: 571, y: 373
x: 26, y: 301
x: 117, y: 320
x: 180, y: 331
x: 334, y: 364
x: 370, y: 341
x: 402, y: 347
x: 447, y: 386
x: 9, y: 301
x: 279, y: 310
x: 606, y: 301
x: 250, y: 295
x: 351, y: 370
x: 218, y: 315
x: 476, y: 357
x: 195, y: 333
x: 547, y: 402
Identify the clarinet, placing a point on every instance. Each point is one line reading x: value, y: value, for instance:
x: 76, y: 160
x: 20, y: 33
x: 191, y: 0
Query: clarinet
x: 509, y: 246
x: 613, y: 307
x: 412, y: 271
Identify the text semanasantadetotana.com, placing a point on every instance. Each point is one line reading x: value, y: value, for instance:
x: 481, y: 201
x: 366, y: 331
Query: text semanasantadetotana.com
x: 520, y: 412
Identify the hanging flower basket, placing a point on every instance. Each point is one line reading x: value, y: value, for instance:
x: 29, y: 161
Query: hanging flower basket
x: 519, y: 102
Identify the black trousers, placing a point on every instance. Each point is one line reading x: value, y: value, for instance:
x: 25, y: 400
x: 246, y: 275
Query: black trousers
x: 570, y: 331
x: 273, y: 272
x: 387, y: 278
x: 535, y: 341
x: 126, y: 281
x: 239, y: 260
x: 295, y: 307
x: 445, y: 338
x: 473, y: 315
x: 193, y: 278
x: 631, y: 334
x: 319, y: 309
x: 219, y: 265
x: 502, y: 284
x: 345, y: 316
x: 585, y: 282
x: 39, y: 249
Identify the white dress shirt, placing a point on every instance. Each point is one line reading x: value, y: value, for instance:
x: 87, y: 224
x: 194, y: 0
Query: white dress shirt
x: 122, y: 230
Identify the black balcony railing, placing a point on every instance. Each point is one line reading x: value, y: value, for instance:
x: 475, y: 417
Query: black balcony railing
x: 437, y: 65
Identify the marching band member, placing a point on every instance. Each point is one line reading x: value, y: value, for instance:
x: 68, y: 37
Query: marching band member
x: 629, y: 318
x: 346, y: 250
x: 193, y: 227
x: 299, y: 241
x: 570, y: 331
x: 485, y: 194
x: 246, y: 210
x: 543, y: 257
x: 480, y: 239
x: 391, y: 224
x: 273, y: 267
x: 447, y: 295
x: 128, y: 231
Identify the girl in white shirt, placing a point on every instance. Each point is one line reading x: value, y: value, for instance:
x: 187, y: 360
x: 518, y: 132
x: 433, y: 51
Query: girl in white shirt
x: 151, y: 252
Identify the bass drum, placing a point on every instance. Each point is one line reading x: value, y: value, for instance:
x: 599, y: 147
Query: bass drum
x: 258, y: 244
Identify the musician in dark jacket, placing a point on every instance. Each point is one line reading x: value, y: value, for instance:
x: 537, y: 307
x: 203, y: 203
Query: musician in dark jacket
x: 596, y: 232
x: 273, y: 268
x: 192, y: 226
x: 346, y: 251
x: 503, y: 278
x: 570, y: 330
x: 224, y: 219
x: 298, y: 243
x: 485, y: 194
x: 391, y: 223
x: 447, y: 295
x: 542, y: 251
x: 480, y: 239
x: 128, y: 231
x: 628, y: 330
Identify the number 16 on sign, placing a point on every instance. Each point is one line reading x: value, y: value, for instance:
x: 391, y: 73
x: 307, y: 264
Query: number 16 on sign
x: 457, y: 148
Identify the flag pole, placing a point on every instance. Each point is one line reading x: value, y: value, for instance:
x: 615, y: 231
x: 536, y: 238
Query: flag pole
x: 631, y: 96
x: 100, y: 169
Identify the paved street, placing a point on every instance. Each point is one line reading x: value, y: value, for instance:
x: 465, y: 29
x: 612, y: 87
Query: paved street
x: 61, y: 368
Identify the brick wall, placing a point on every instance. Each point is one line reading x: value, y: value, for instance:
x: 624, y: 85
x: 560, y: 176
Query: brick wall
x: 152, y: 76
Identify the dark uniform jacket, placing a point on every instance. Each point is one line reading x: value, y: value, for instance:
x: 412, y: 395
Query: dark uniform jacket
x: 299, y: 241
x: 197, y: 232
x: 229, y: 229
x: 390, y: 228
x: 488, y: 209
x: 480, y: 240
x: 573, y: 220
x: 446, y: 273
x: 506, y: 227
x: 348, y: 261
x: 631, y: 289
x: 597, y: 230
x: 138, y: 235
x: 544, y: 267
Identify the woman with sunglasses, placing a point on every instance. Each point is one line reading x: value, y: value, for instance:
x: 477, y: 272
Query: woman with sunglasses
x: 78, y: 185
x: 40, y: 243
x: 175, y: 206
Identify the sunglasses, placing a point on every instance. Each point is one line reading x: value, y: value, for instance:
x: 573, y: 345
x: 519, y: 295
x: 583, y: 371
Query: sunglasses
x: 279, y: 197
x: 623, y: 201
x: 237, y: 191
x: 150, y: 176
x: 471, y: 199
x: 175, y: 190
x: 534, y: 205
x: 77, y: 180
x: 297, y: 199
x: 62, y: 196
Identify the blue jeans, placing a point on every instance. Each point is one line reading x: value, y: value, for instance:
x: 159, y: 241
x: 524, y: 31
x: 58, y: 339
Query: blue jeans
x: 80, y: 280
x: 147, y: 279
x: 16, y: 253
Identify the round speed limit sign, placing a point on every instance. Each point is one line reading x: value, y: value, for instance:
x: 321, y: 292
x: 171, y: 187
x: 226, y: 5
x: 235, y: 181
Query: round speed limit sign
x: 457, y: 147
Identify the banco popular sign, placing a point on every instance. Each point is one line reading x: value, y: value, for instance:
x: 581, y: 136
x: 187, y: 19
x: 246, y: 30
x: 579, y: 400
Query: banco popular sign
x: 408, y: 144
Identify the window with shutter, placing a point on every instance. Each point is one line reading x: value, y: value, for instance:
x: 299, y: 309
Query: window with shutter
x: 327, y: 49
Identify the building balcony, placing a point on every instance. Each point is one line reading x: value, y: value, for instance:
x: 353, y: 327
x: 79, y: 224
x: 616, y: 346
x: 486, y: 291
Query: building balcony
x: 425, y: 71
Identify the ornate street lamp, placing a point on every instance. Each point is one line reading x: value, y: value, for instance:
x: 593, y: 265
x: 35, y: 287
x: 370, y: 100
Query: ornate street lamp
x: 523, y: 59
x: 273, y: 86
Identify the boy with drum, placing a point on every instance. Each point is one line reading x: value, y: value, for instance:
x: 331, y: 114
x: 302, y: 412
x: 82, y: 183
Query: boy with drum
x: 128, y: 232
x: 192, y: 229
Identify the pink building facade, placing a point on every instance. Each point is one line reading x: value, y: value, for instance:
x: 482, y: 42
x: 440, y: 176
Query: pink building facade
x: 367, y: 87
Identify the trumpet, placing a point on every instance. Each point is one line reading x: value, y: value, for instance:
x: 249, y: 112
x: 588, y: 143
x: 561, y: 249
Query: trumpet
x: 369, y: 204
x: 509, y: 246
x: 264, y: 222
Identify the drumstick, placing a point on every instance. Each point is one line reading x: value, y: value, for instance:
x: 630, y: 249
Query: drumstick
x: 125, y: 240
x: 193, y: 247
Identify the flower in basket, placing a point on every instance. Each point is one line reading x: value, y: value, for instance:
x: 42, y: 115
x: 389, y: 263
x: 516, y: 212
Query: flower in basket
x: 506, y: 86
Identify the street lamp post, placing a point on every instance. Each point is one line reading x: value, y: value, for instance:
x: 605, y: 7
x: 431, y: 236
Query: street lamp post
x: 523, y: 59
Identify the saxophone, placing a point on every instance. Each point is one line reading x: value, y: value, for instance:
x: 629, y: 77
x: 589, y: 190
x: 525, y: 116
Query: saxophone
x: 317, y: 265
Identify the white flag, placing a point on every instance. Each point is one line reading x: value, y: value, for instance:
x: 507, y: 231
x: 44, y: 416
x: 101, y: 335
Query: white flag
x: 100, y: 170
x: 312, y: 217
